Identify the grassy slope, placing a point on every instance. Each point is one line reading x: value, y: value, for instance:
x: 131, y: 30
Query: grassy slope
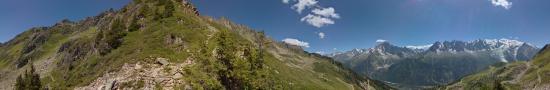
x: 290, y: 72
x: 539, y: 73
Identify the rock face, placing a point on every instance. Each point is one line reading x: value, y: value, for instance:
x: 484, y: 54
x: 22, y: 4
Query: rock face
x: 143, y: 76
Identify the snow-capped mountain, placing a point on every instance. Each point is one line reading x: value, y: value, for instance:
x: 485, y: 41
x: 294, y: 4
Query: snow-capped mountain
x: 420, y: 47
x: 504, y: 49
x: 476, y: 45
x: 509, y: 48
x: 383, y: 50
x: 444, y: 61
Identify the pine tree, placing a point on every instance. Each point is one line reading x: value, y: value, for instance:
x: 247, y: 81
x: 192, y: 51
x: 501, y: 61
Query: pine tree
x: 34, y: 79
x: 31, y: 81
x: 262, y: 42
x: 111, y: 39
x: 224, y: 55
x: 19, y: 83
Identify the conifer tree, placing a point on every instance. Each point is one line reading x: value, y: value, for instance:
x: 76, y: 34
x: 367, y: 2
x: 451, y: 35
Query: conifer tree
x: 19, y: 83
x: 30, y: 81
x: 224, y: 55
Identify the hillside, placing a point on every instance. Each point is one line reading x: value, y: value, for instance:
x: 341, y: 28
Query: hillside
x: 532, y: 75
x: 166, y: 44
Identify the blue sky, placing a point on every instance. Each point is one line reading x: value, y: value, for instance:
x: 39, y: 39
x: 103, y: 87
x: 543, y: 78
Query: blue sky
x: 17, y: 16
x: 358, y: 25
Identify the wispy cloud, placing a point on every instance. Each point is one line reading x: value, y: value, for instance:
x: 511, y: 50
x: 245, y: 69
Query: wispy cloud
x: 321, y: 35
x: 504, y: 3
x: 296, y: 42
x: 285, y: 1
x: 320, y: 52
x: 381, y: 41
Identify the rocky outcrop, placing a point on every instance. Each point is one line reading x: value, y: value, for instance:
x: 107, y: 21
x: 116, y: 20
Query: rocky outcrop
x: 143, y: 76
x: 175, y: 42
x: 38, y: 37
x: 190, y: 6
x: 74, y: 50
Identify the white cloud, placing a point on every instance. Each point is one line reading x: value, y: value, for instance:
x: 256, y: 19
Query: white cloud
x: 326, y: 12
x: 320, y: 52
x: 303, y: 4
x: 318, y: 17
x: 296, y: 42
x: 321, y: 35
x: 381, y: 41
x: 504, y: 3
x: 316, y: 20
x: 285, y: 1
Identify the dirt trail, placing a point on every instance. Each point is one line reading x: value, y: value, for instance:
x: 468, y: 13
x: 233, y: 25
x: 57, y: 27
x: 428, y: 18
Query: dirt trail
x: 521, y: 74
x: 538, y: 80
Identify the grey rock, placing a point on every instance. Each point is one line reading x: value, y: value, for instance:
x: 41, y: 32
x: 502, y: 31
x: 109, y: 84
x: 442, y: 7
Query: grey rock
x: 162, y: 61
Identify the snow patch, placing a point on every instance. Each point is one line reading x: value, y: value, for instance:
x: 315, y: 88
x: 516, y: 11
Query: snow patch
x: 421, y: 47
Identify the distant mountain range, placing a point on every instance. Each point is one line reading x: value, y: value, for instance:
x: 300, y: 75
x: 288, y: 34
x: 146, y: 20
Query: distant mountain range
x: 434, y: 64
x: 530, y: 75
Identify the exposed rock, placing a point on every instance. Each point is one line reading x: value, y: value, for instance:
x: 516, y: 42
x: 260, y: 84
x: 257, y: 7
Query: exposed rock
x: 148, y: 74
x: 193, y: 9
x: 162, y: 61
x: 171, y: 39
x: 74, y: 50
x: 175, y: 42
x: 37, y: 39
x: 177, y: 75
x: 188, y: 87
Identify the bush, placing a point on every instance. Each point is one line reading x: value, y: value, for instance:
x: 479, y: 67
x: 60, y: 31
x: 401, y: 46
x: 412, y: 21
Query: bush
x: 111, y: 39
x: 134, y: 26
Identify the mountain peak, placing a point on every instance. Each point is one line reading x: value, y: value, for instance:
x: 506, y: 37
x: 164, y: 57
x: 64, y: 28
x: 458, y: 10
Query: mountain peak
x: 453, y: 46
x: 545, y: 48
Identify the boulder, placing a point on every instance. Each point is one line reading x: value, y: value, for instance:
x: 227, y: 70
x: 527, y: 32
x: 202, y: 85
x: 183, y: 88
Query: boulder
x: 162, y: 61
